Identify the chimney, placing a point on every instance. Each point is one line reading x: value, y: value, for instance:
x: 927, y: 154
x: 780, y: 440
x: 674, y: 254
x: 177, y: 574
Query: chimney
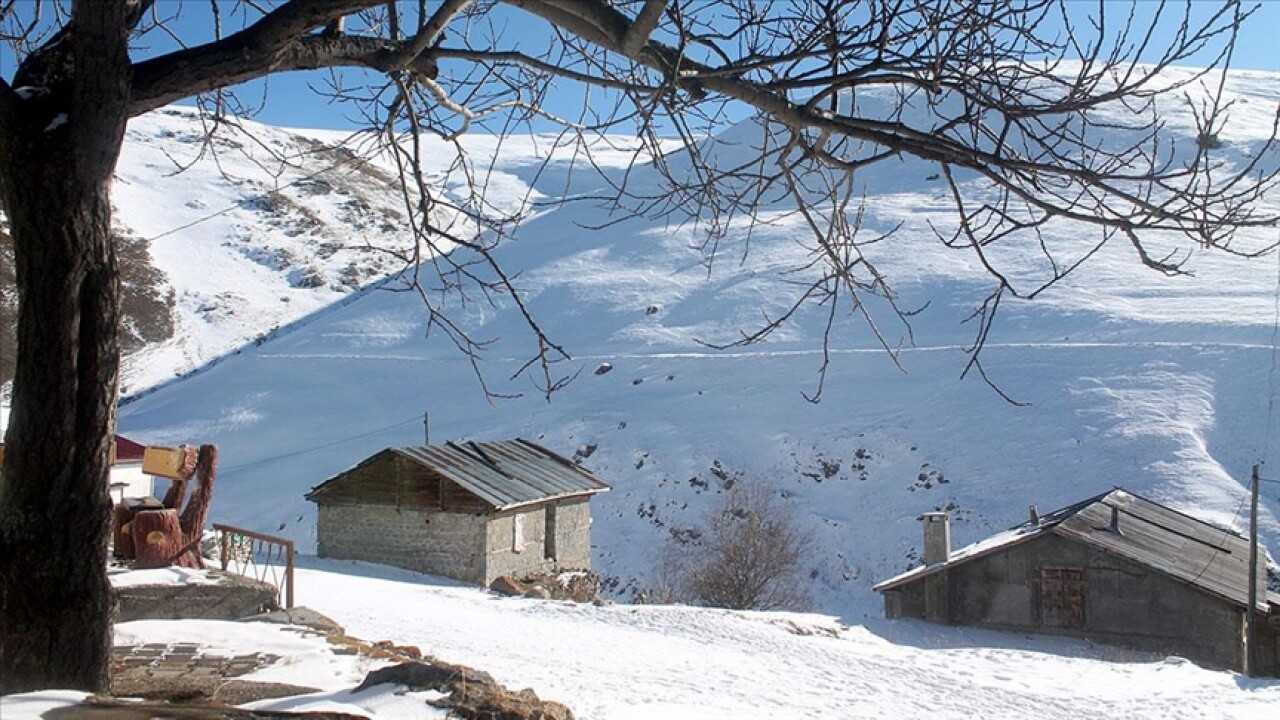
x: 937, y: 538
x: 1035, y: 515
x: 1115, y: 520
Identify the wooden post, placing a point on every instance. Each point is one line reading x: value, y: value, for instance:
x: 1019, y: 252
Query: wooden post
x: 225, y: 543
x: 1251, y: 613
x: 288, y: 576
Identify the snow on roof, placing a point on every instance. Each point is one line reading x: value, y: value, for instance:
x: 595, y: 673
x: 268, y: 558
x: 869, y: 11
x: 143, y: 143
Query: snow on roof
x: 986, y: 546
x: 1206, y: 557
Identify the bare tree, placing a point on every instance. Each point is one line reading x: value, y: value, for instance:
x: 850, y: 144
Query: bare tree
x: 749, y: 552
x: 1008, y: 91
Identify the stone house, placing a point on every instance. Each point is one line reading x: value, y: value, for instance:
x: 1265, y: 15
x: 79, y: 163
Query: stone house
x: 1115, y: 568
x: 473, y: 511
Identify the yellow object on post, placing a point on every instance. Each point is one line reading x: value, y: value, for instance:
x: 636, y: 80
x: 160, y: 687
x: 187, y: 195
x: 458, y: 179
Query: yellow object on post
x: 164, y: 461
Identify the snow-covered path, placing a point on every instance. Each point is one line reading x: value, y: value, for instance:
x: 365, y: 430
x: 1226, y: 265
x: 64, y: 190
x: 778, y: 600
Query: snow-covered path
x: 625, y: 661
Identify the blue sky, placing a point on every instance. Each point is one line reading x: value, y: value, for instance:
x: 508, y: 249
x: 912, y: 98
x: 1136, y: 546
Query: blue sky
x: 291, y: 100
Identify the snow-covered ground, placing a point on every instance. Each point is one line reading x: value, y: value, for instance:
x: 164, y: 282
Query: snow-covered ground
x: 621, y: 662
x: 307, y: 659
x: 652, y: 661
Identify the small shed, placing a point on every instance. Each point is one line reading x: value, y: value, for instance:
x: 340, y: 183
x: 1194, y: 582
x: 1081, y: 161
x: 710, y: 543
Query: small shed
x: 473, y: 511
x: 1116, y: 568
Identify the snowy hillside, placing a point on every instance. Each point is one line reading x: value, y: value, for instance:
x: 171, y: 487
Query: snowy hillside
x: 228, y: 231
x: 1162, y: 385
x: 248, y: 231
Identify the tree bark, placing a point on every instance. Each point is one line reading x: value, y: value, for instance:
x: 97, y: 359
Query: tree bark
x: 196, y: 512
x: 58, y: 150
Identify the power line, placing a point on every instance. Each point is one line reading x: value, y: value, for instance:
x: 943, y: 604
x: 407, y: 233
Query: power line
x: 242, y: 202
x: 1271, y: 372
x: 1222, y: 545
x: 295, y: 453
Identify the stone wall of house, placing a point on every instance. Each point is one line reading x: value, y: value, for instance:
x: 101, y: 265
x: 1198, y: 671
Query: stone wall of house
x: 448, y: 544
x: 573, y: 534
x: 505, y: 556
x: 569, y: 524
x: 1267, y: 643
x: 1121, y: 603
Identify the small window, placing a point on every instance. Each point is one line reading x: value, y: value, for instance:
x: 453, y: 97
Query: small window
x: 549, y: 534
x: 517, y: 533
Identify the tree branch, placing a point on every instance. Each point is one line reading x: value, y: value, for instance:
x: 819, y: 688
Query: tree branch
x: 638, y: 36
x: 278, y: 41
x: 158, y: 82
x: 518, y: 58
x: 600, y: 23
x: 428, y: 34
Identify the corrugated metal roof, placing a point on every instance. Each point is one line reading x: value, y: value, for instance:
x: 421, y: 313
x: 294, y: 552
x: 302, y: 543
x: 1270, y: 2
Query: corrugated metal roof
x: 1147, y: 533
x: 506, y: 473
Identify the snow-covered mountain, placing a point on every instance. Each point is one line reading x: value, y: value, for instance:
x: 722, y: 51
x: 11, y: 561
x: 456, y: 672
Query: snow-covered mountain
x: 227, y: 232
x: 250, y: 227
x: 1163, y: 385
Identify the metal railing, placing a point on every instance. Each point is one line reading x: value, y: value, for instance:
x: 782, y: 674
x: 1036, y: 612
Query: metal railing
x: 262, y: 557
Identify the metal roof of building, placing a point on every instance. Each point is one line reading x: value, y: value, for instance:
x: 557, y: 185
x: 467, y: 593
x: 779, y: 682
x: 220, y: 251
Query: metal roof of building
x: 507, y: 473
x: 1146, y: 532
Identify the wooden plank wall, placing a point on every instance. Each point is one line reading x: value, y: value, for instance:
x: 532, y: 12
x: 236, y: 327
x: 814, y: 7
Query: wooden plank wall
x: 415, y: 486
x: 390, y: 479
x: 456, y: 499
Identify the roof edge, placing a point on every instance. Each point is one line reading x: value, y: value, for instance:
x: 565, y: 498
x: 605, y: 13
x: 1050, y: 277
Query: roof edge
x: 311, y: 494
x: 926, y: 570
x: 552, y: 498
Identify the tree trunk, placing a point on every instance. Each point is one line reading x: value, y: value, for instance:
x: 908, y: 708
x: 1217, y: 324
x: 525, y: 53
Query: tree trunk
x: 176, y: 493
x: 58, y: 149
x: 157, y: 539
x: 197, y: 509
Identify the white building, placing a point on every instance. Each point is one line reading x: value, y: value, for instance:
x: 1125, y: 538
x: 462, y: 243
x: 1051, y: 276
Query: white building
x: 126, y: 479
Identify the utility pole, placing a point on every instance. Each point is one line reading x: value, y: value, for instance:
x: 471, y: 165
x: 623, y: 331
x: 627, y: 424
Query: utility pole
x: 1251, y: 613
x: 426, y: 427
